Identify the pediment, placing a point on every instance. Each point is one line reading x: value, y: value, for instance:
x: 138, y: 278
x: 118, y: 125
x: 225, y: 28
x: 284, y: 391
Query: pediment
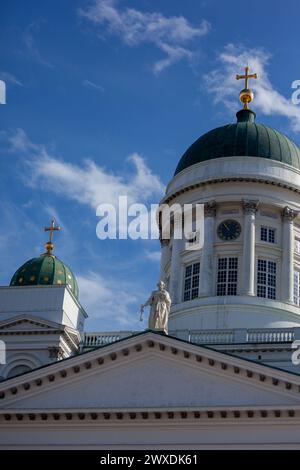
x: 27, y: 323
x: 151, y: 371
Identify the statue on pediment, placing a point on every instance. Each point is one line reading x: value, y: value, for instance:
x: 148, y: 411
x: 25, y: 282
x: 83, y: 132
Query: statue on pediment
x: 160, y: 304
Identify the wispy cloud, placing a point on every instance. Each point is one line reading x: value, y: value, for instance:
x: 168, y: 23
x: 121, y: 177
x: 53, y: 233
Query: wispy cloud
x: 153, y: 255
x: 111, y: 300
x: 10, y: 78
x: 18, y: 226
x: 169, y: 34
x: 92, y: 85
x: 30, y: 42
x: 267, y: 99
x: 88, y: 183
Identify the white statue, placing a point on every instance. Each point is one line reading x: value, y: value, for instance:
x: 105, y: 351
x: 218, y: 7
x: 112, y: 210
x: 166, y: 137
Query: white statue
x: 160, y: 303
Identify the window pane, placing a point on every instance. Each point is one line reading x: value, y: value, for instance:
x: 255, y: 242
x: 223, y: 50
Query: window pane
x: 221, y: 289
x: 188, y: 271
x: 196, y: 268
x: 263, y: 234
x: 267, y: 234
x: 191, y: 282
x: 271, y: 237
x: 195, y: 281
x: 227, y: 276
x: 194, y: 293
x: 222, y: 264
x: 186, y: 296
x: 261, y: 291
x: 266, y: 279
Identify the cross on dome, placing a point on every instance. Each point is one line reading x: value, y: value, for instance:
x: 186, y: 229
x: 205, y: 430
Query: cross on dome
x: 246, y: 95
x: 49, y: 245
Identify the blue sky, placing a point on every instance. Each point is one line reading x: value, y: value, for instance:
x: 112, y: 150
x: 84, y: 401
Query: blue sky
x: 103, y: 97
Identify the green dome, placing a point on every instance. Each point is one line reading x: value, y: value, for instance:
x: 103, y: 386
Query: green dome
x: 244, y: 138
x: 45, y: 270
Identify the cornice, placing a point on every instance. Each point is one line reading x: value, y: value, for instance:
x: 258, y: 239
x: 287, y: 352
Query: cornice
x: 146, y: 415
x: 168, y: 198
x: 120, y: 352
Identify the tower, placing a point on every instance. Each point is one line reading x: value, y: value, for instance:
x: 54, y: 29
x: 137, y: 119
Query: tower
x: 244, y: 282
x: 41, y: 319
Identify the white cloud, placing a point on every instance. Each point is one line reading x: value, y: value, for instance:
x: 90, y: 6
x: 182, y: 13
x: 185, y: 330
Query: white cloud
x: 221, y: 82
x: 153, y: 255
x: 111, y: 300
x: 19, y: 142
x: 92, y: 85
x: 134, y: 27
x: 88, y: 183
x: 30, y: 43
x: 10, y: 78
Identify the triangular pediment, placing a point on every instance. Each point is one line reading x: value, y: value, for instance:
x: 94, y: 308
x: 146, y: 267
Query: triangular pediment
x: 151, y: 371
x: 27, y: 323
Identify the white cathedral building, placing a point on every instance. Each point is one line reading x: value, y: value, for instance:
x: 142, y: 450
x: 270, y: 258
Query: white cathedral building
x: 223, y: 376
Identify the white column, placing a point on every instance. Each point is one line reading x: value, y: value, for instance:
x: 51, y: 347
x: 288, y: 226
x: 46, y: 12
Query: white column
x: 248, y: 274
x: 207, y: 252
x: 175, y: 271
x: 164, y: 258
x: 287, y: 272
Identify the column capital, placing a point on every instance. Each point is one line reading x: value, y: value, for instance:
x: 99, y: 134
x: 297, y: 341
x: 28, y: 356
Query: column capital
x: 210, y: 209
x: 288, y: 213
x: 55, y: 352
x: 250, y: 206
x: 164, y: 241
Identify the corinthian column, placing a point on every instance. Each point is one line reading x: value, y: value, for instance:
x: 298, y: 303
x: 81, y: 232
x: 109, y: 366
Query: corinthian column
x: 175, y: 271
x: 287, y: 273
x: 248, y: 274
x: 164, y: 258
x: 206, y: 264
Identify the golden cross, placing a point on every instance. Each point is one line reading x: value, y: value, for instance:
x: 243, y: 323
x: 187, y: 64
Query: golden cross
x: 51, y: 229
x: 246, y: 76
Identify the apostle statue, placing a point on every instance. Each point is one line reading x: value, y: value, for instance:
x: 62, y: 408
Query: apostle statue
x: 160, y: 304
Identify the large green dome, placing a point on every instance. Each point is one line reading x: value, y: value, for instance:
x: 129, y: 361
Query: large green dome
x: 45, y: 270
x: 244, y: 138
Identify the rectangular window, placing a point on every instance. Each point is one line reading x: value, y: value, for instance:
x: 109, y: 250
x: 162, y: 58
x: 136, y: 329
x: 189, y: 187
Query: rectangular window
x: 266, y: 279
x: 297, y: 245
x: 191, y: 282
x: 227, y: 276
x: 297, y: 288
x: 267, y: 234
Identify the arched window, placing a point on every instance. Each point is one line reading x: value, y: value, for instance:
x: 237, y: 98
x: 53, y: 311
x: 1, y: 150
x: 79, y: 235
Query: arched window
x: 18, y: 370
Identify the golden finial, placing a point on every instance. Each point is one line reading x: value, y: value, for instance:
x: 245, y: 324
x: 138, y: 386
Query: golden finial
x: 49, y: 245
x: 246, y: 95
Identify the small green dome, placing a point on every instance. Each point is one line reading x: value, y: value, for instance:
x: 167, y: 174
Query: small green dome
x: 244, y: 138
x: 45, y: 270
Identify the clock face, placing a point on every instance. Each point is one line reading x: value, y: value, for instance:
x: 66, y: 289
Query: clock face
x: 229, y: 230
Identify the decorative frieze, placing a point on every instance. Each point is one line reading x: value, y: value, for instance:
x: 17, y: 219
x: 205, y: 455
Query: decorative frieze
x: 168, y: 414
x: 173, y: 196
